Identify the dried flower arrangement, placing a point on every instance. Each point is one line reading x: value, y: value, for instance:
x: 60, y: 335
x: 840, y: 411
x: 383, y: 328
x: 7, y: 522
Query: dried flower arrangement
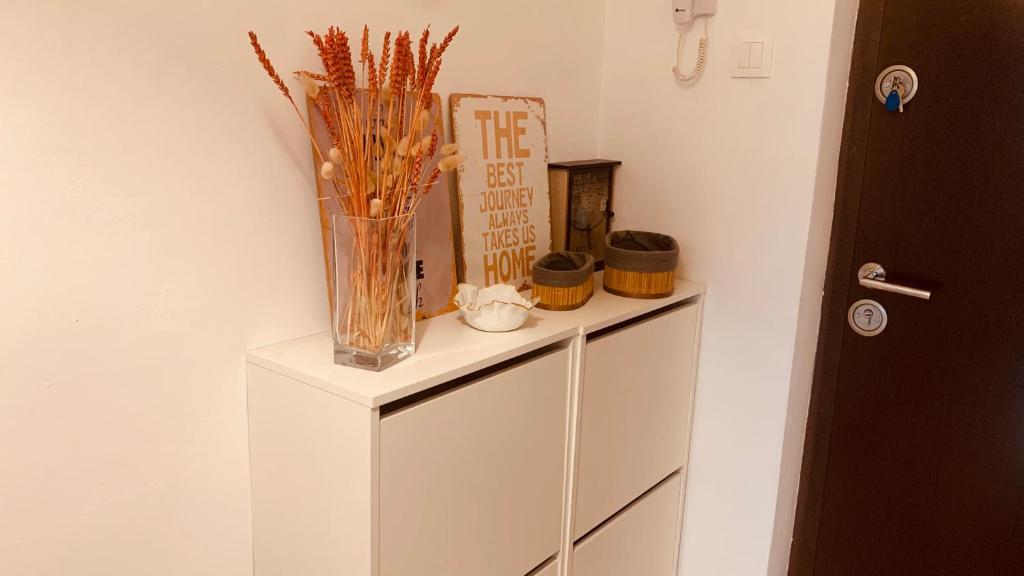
x: 383, y: 160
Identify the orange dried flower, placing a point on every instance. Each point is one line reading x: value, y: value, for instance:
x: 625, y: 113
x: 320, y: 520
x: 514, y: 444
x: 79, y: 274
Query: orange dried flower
x: 388, y: 157
x: 385, y: 58
x: 312, y: 75
x: 433, y: 145
x: 401, y: 64
x: 447, y: 40
x: 265, y: 61
x: 324, y: 104
x: 366, y: 58
x: 421, y: 67
x: 431, y: 180
x: 340, y: 56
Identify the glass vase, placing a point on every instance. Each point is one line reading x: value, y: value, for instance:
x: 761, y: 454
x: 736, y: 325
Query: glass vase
x: 373, y: 303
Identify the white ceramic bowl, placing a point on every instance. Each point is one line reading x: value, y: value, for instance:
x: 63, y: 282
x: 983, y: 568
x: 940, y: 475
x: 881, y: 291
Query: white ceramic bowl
x: 498, y: 308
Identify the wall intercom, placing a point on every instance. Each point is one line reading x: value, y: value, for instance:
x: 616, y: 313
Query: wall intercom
x: 684, y: 12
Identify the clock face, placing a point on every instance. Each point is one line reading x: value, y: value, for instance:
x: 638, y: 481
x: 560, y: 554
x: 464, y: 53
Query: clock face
x: 588, y: 210
x: 589, y: 199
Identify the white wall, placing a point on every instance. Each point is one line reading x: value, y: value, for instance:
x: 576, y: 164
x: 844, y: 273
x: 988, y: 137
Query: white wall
x: 731, y: 168
x: 156, y: 220
x: 819, y: 232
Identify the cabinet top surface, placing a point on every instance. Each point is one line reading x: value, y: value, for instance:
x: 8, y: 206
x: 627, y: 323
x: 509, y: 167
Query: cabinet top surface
x: 447, y: 348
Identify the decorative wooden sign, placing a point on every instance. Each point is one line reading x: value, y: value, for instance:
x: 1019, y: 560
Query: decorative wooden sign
x: 504, y: 209
x: 435, y: 248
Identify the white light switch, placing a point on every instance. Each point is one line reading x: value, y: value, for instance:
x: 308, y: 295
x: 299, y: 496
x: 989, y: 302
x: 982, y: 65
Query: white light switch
x: 753, y: 57
x: 743, y: 57
x: 756, y: 54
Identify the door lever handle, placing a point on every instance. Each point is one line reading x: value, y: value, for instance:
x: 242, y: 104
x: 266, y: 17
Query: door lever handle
x: 872, y: 276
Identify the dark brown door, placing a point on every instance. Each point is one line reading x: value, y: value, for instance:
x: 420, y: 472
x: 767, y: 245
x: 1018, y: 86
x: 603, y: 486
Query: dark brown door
x: 915, y: 451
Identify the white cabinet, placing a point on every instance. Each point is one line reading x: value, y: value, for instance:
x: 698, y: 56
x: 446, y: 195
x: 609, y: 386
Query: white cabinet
x: 471, y: 481
x: 549, y: 569
x: 310, y: 461
x: 517, y: 454
x: 640, y: 541
x: 634, y: 412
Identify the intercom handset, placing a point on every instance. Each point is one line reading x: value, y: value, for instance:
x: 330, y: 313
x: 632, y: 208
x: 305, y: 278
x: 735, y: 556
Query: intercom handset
x: 684, y: 12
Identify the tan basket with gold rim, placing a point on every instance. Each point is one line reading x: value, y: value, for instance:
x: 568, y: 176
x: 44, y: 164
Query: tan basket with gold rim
x: 563, y: 280
x: 640, y: 264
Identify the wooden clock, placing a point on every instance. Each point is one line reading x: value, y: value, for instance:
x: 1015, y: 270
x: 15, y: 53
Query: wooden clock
x: 581, y: 205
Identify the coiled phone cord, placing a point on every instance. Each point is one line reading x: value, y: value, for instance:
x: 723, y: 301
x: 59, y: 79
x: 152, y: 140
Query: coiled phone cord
x: 702, y: 56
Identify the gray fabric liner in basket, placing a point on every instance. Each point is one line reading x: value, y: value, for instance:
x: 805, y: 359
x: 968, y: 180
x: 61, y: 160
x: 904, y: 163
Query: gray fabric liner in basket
x: 563, y: 269
x: 641, y: 251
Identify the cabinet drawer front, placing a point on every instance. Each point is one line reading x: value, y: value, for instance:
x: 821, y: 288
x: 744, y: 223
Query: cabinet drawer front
x: 471, y: 481
x: 641, y: 541
x: 549, y: 569
x: 635, y: 413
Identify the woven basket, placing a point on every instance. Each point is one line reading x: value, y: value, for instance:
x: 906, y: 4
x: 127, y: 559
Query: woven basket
x: 563, y: 280
x: 640, y: 264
